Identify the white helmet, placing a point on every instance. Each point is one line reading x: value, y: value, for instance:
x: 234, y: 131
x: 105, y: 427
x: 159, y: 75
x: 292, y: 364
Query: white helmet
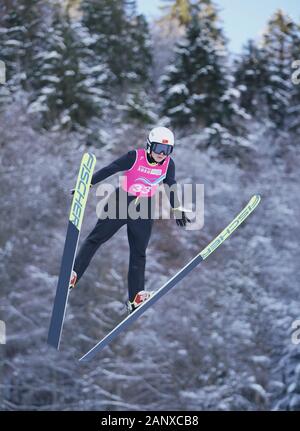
x: 160, y: 138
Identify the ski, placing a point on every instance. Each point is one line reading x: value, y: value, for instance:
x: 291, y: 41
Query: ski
x: 212, y: 246
x: 73, y: 231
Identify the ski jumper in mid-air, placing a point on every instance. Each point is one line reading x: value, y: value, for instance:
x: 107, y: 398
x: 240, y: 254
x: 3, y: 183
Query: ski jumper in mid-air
x: 144, y: 171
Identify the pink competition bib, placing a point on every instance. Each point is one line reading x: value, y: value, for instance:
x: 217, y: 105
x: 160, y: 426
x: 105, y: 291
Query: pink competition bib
x: 143, y: 178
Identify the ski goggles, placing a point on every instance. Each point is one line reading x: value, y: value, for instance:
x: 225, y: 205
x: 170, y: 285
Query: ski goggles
x: 161, y: 148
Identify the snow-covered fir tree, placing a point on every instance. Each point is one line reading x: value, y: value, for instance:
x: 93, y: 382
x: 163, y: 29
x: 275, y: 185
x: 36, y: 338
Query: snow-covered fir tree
x: 263, y: 74
x: 278, y: 47
x: 139, y: 104
x: 251, y: 74
x: 294, y: 108
x: 69, y: 82
x: 121, y: 37
x: 20, y: 27
x: 197, y: 87
x: 140, y: 56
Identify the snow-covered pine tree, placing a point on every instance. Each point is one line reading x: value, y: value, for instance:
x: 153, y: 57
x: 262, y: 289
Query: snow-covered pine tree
x: 20, y: 25
x: 251, y: 75
x: 277, y: 44
x: 68, y: 81
x: 197, y: 88
x: 294, y: 108
x: 139, y: 101
x: 121, y: 37
x: 105, y: 21
x: 140, y: 55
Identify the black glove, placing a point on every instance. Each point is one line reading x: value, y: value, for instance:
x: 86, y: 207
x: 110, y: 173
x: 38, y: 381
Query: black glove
x: 181, y: 218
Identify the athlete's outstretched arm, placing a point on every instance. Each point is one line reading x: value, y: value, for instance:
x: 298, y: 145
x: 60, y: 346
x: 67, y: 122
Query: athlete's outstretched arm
x: 171, y: 181
x: 122, y: 164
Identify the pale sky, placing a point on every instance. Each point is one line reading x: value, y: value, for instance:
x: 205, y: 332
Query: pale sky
x: 243, y: 19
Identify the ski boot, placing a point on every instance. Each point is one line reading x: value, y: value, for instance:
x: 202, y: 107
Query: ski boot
x: 73, y: 280
x: 139, y: 299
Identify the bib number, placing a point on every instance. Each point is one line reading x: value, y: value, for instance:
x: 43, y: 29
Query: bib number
x: 140, y: 189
